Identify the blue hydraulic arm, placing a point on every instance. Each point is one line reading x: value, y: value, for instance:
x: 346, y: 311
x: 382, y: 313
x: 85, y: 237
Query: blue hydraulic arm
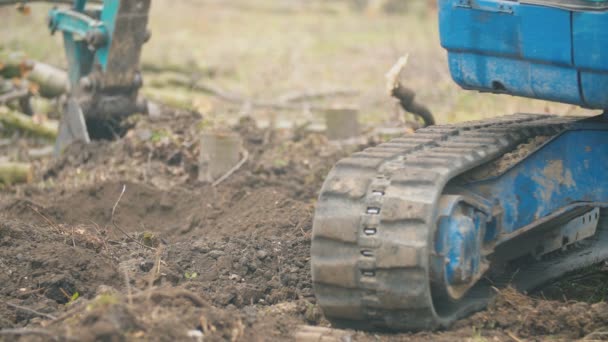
x: 103, y: 46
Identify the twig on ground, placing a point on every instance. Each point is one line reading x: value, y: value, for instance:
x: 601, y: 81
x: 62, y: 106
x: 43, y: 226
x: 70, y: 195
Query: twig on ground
x: 124, y: 188
x: 73, y: 241
x: 14, y: 95
x: 67, y: 295
x: 515, y: 338
x: 48, y: 220
x: 24, y: 331
x: 248, y: 103
x: 233, y: 170
x: 103, y: 239
x: 23, y: 308
x: 598, y: 335
x: 316, y: 94
x: 128, y: 285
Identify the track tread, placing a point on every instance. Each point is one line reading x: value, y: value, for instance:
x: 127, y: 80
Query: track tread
x: 390, y: 225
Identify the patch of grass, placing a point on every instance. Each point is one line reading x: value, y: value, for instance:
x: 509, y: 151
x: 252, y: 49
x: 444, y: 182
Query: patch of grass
x: 102, y: 301
x: 270, y: 51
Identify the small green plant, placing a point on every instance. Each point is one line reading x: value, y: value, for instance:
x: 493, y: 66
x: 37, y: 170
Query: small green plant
x: 477, y: 337
x: 159, y: 135
x: 190, y: 275
x: 103, y: 300
x: 280, y: 163
x: 150, y: 239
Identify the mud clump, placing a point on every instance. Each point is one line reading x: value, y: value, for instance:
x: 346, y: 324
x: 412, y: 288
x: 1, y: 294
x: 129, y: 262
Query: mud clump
x: 508, y: 160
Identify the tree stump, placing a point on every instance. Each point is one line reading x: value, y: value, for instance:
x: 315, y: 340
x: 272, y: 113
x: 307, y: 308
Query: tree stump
x: 220, y: 151
x: 342, y: 123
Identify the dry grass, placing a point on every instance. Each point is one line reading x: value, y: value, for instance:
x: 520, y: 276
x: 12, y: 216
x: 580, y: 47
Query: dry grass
x: 273, y: 47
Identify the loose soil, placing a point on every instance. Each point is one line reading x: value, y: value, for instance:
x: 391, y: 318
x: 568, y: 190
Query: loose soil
x: 183, y: 260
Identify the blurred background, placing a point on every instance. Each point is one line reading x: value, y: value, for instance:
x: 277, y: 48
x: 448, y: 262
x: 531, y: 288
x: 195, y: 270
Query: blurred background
x: 268, y: 50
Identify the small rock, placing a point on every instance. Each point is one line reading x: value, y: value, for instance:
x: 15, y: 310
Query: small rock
x: 216, y: 254
x: 262, y: 254
x: 200, y: 247
x: 143, y: 134
x: 146, y: 265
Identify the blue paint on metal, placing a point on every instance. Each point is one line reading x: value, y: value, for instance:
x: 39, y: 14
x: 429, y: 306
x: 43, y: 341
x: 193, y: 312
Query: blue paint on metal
x: 79, y: 5
x: 521, y: 49
x: 76, y: 25
x: 567, y: 170
x: 80, y: 58
x: 460, y: 229
x: 73, y: 22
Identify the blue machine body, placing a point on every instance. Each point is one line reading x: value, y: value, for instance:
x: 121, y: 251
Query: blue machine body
x: 538, y: 49
x: 559, y: 176
x: 544, y: 49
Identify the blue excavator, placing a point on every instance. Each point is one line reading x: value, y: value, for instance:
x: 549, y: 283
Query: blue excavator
x: 416, y: 233
x: 103, y: 41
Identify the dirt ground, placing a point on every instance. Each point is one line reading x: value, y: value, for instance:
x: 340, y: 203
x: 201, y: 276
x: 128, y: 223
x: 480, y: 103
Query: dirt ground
x: 183, y: 260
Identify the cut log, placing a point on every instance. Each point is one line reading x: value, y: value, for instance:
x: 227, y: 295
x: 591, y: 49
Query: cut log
x: 220, y: 152
x: 14, y: 173
x: 169, y: 79
x: 15, y: 120
x: 51, y: 80
x: 14, y: 64
x: 176, y: 99
x: 342, y: 123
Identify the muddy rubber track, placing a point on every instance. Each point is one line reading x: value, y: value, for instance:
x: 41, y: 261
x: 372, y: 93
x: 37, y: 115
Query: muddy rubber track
x: 374, y: 224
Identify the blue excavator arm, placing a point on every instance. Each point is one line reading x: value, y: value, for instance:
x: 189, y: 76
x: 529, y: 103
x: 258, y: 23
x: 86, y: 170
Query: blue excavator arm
x: 103, y: 47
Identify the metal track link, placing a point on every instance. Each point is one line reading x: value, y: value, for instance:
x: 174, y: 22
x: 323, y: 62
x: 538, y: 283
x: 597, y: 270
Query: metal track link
x: 375, y: 220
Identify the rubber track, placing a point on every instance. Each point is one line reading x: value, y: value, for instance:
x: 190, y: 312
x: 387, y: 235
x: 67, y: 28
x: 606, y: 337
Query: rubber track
x: 374, y: 224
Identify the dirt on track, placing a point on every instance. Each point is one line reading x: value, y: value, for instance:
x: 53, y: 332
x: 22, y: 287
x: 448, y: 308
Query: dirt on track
x: 183, y: 260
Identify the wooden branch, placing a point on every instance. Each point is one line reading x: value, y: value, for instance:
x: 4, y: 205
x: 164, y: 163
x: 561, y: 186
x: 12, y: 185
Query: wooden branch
x: 182, y: 80
x: 405, y: 95
x: 52, y: 81
x: 23, y: 308
x: 184, y: 69
x: 124, y: 188
x: 28, y: 331
x: 16, y: 94
x: 14, y: 173
x: 169, y: 97
x: 15, y: 120
x: 233, y: 170
x: 14, y: 63
x: 316, y: 95
x: 238, y: 100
